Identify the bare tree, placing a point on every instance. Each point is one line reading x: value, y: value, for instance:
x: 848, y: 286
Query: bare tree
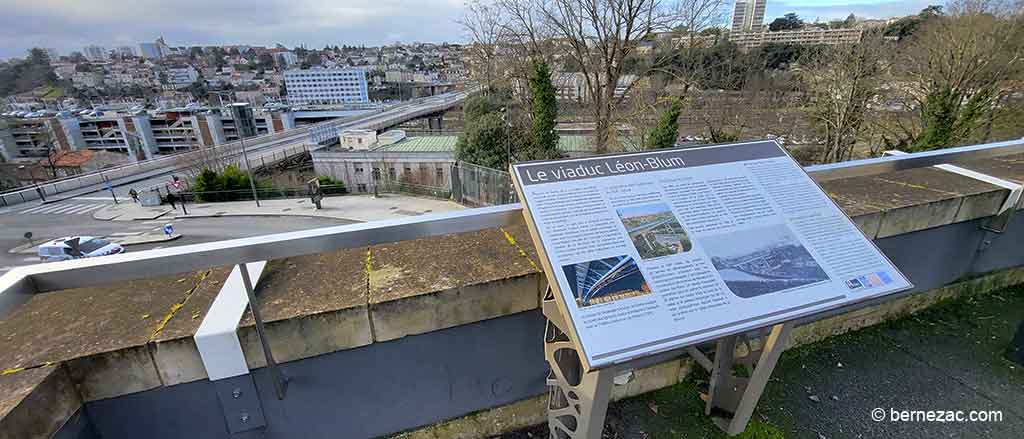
x: 696, y: 16
x: 598, y: 36
x: 957, y: 68
x: 484, y: 24
x: 214, y: 158
x: 839, y: 83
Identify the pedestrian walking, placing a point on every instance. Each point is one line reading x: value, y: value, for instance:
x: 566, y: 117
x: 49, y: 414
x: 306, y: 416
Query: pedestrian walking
x: 134, y: 195
x: 172, y: 199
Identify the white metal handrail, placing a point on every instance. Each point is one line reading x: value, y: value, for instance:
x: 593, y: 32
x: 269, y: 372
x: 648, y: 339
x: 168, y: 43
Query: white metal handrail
x: 20, y: 283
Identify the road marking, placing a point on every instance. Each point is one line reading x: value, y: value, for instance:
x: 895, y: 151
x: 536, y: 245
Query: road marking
x: 34, y: 209
x: 93, y: 198
x: 49, y: 209
x: 82, y: 208
x: 125, y: 233
x: 65, y: 209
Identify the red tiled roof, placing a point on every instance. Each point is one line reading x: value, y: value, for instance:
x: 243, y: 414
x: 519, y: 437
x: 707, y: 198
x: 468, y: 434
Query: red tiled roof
x: 71, y: 158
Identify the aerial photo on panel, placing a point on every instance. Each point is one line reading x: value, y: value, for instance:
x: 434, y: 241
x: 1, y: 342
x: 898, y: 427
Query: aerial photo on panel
x: 762, y: 261
x: 654, y: 230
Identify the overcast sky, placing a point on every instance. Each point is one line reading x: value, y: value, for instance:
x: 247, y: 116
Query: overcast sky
x: 69, y: 25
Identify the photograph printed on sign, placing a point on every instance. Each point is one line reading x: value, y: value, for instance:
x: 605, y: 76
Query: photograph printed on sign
x: 763, y: 260
x: 654, y: 230
x: 605, y: 280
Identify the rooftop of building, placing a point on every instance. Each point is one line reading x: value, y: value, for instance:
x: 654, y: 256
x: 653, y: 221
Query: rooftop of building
x: 567, y: 143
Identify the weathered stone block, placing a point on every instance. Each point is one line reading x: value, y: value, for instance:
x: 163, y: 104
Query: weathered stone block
x: 452, y: 307
x: 36, y: 403
x: 869, y: 223
x: 647, y: 379
x: 981, y: 205
x: 487, y: 423
x: 178, y: 361
x: 113, y: 374
x: 308, y: 336
x: 918, y: 217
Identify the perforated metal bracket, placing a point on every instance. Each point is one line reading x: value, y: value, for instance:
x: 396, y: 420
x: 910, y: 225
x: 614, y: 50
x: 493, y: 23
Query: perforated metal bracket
x: 577, y: 400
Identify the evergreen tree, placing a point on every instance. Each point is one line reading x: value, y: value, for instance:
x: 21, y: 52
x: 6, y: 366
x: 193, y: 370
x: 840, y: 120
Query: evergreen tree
x: 666, y: 132
x: 484, y: 142
x: 544, y: 139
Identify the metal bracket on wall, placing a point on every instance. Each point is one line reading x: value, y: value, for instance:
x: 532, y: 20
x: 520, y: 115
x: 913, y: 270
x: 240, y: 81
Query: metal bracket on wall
x: 243, y: 410
x: 731, y: 398
x: 221, y: 351
x: 998, y: 223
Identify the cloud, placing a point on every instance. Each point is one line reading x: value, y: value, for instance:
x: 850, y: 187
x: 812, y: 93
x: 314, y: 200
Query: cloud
x: 69, y: 25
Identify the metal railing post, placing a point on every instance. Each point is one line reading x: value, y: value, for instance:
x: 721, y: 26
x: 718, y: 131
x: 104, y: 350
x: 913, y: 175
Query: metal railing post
x: 280, y: 383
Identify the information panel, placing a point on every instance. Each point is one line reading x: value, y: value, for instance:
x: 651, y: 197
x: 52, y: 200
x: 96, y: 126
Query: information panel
x: 659, y: 250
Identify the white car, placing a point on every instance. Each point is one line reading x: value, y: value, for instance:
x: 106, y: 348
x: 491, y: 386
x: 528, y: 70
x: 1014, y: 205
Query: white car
x: 74, y: 247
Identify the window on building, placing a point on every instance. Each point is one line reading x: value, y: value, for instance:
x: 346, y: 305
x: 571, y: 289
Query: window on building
x: 358, y: 167
x: 440, y: 172
x: 376, y: 174
x: 391, y: 173
x: 361, y: 187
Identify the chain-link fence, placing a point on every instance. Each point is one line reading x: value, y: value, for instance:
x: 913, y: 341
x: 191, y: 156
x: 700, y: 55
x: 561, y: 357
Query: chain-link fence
x: 475, y: 185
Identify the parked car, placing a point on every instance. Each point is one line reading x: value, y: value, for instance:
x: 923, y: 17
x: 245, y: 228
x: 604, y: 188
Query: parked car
x: 74, y: 247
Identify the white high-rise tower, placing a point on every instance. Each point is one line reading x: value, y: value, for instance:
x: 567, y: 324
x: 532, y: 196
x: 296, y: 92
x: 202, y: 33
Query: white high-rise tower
x: 748, y: 15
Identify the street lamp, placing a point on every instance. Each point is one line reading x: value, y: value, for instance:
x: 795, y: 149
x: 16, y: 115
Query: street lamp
x: 508, y: 134
x: 241, y: 113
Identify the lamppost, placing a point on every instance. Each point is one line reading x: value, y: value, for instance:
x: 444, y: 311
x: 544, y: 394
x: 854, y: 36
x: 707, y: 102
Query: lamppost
x: 508, y: 134
x: 241, y: 113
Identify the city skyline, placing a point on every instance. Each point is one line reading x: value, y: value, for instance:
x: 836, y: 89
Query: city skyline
x: 71, y: 26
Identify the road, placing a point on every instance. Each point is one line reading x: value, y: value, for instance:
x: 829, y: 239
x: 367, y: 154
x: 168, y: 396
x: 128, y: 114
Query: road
x: 74, y: 216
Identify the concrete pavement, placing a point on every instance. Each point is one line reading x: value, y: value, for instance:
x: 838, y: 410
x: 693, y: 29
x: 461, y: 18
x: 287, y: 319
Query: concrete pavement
x: 350, y: 207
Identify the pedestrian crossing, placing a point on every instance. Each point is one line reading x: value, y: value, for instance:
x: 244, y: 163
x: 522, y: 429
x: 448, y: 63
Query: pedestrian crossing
x: 62, y: 209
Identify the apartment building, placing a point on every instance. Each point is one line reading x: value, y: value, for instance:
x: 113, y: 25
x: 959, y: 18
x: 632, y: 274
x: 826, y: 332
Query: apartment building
x: 809, y: 36
x: 95, y: 53
x: 31, y: 137
x: 748, y: 15
x: 139, y: 135
x: 326, y: 86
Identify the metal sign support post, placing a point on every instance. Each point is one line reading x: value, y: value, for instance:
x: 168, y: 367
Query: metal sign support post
x: 578, y: 400
x: 731, y: 398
